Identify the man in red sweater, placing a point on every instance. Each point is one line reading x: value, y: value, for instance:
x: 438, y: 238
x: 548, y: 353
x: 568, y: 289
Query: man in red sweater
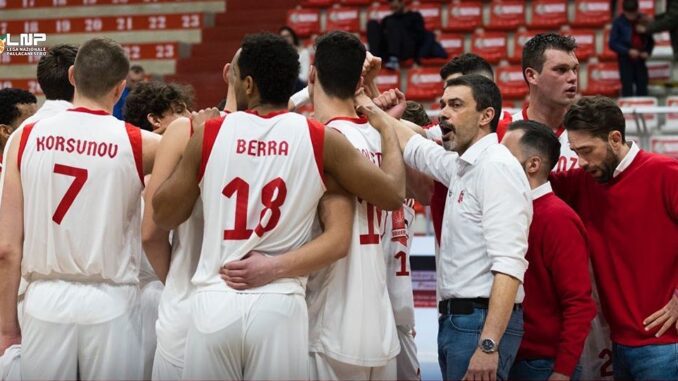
x: 558, y: 307
x: 628, y: 201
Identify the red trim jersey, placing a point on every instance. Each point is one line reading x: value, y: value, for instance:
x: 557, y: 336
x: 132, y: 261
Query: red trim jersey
x: 82, y: 177
x: 350, y: 314
x: 261, y: 180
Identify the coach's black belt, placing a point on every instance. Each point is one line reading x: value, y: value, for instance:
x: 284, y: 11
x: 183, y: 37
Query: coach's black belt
x: 465, y: 306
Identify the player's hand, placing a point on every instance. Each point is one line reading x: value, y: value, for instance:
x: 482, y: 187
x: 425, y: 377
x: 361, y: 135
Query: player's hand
x: 393, y: 102
x: 363, y: 104
x: 483, y: 366
x: 199, y: 118
x: 555, y: 376
x: 371, y: 67
x: 666, y: 317
x: 254, y: 270
x: 7, y: 341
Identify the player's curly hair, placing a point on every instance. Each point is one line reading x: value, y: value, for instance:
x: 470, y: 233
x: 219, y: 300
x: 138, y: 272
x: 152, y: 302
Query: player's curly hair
x: 272, y: 63
x: 9, y: 99
x: 155, y: 98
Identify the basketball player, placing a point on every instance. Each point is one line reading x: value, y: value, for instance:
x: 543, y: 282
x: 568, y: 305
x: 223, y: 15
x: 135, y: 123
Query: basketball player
x: 259, y: 174
x: 175, y: 260
x: 82, y: 171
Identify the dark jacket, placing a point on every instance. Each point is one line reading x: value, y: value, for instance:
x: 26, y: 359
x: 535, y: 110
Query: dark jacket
x: 620, y: 37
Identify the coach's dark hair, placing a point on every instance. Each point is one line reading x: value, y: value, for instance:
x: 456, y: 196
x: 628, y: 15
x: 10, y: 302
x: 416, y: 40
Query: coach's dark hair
x: 533, y: 51
x: 539, y: 139
x: 485, y: 93
x: 467, y: 63
x: 596, y: 115
x: 339, y: 58
x: 156, y: 98
x: 53, y: 72
x: 9, y: 99
x: 415, y: 113
x: 272, y: 63
x: 100, y: 65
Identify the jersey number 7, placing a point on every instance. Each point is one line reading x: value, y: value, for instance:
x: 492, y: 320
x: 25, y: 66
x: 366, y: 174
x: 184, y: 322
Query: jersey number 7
x: 80, y: 175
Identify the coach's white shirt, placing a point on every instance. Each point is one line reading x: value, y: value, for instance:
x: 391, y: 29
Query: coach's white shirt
x: 487, y: 215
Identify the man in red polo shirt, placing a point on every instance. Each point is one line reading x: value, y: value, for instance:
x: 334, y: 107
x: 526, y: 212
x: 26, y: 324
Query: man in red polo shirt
x: 628, y: 201
x: 558, y: 307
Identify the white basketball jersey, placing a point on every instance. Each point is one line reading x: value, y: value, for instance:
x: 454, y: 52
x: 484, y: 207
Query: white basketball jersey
x: 396, y: 241
x: 260, y: 190
x: 568, y: 158
x: 350, y: 314
x: 82, y: 177
x: 174, y: 310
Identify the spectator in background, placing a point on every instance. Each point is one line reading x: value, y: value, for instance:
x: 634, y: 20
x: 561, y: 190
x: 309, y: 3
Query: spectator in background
x: 667, y: 21
x: 632, y: 48
x: 152, y: 106
x: 304, y: 56
x: 16, y: 105
x: 136, y: 75
x: 401, y: 36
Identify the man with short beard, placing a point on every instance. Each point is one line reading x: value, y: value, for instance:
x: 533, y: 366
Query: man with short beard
x: 628, y: 201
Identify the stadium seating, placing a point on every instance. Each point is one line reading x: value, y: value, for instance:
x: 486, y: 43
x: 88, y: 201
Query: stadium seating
x: 453, y: 43
x: 464, y: 16
x: 423, y: 84
x: 343, y: 18
x: 305, y: 22
x: 492, y: 46
x: 431, y: 14
x: 548, y: 14
x: 506, y: 15
x: 519, y: 40
x: 603, y: 79
x: 586, y: 42
x: 651, y: 121
x: 672, y: 118
x: 388, y: 79
x: 592, y: 13
x: 511, y: 82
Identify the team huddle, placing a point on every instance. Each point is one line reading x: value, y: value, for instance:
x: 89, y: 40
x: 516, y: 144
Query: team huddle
x: 283, y: 241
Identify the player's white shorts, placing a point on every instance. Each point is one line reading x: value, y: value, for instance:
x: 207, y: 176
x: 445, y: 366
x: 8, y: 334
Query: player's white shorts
x: 596, y: 357
x: 234, y: 336
x: 149, y: 300
x: 407, y: 362
x: 323, y: 367
x: 10, y: 364
x: 81, y: 331
x: 164, y: 370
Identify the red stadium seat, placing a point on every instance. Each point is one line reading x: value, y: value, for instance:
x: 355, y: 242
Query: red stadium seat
x: 672, y: 118
x: 607, y: 54
x: 519, y: 40
x: 665, y: 145
x: 659, y: 72
x: 548, y: 14
x: 378, y: 12
x: 317, y: 3
x: 651, y: 121
x: 506, y: 15
x: 424, y: 84
x: 490, y: 45
x: 157, y: 22
x: 464, y: 16
x: 511, y: 82
x: 343, y: 18
x: 30, y: 85
x: 591, y: 13
x: 361, y: 3
x: 453, y: 44
x: 388, y: 79
x: 431, y: 14
x: 586, y: 42
x: 603, y: 79
x: 662, y: 45
x: 305, y: 22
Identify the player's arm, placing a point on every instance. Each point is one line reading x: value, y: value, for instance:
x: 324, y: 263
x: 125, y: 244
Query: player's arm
x: 173, y: 201
x: 155, y: 240
x: 419, y: 186
x: 11, y: 241
x: 150, y: 142
x: 335, y: 212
